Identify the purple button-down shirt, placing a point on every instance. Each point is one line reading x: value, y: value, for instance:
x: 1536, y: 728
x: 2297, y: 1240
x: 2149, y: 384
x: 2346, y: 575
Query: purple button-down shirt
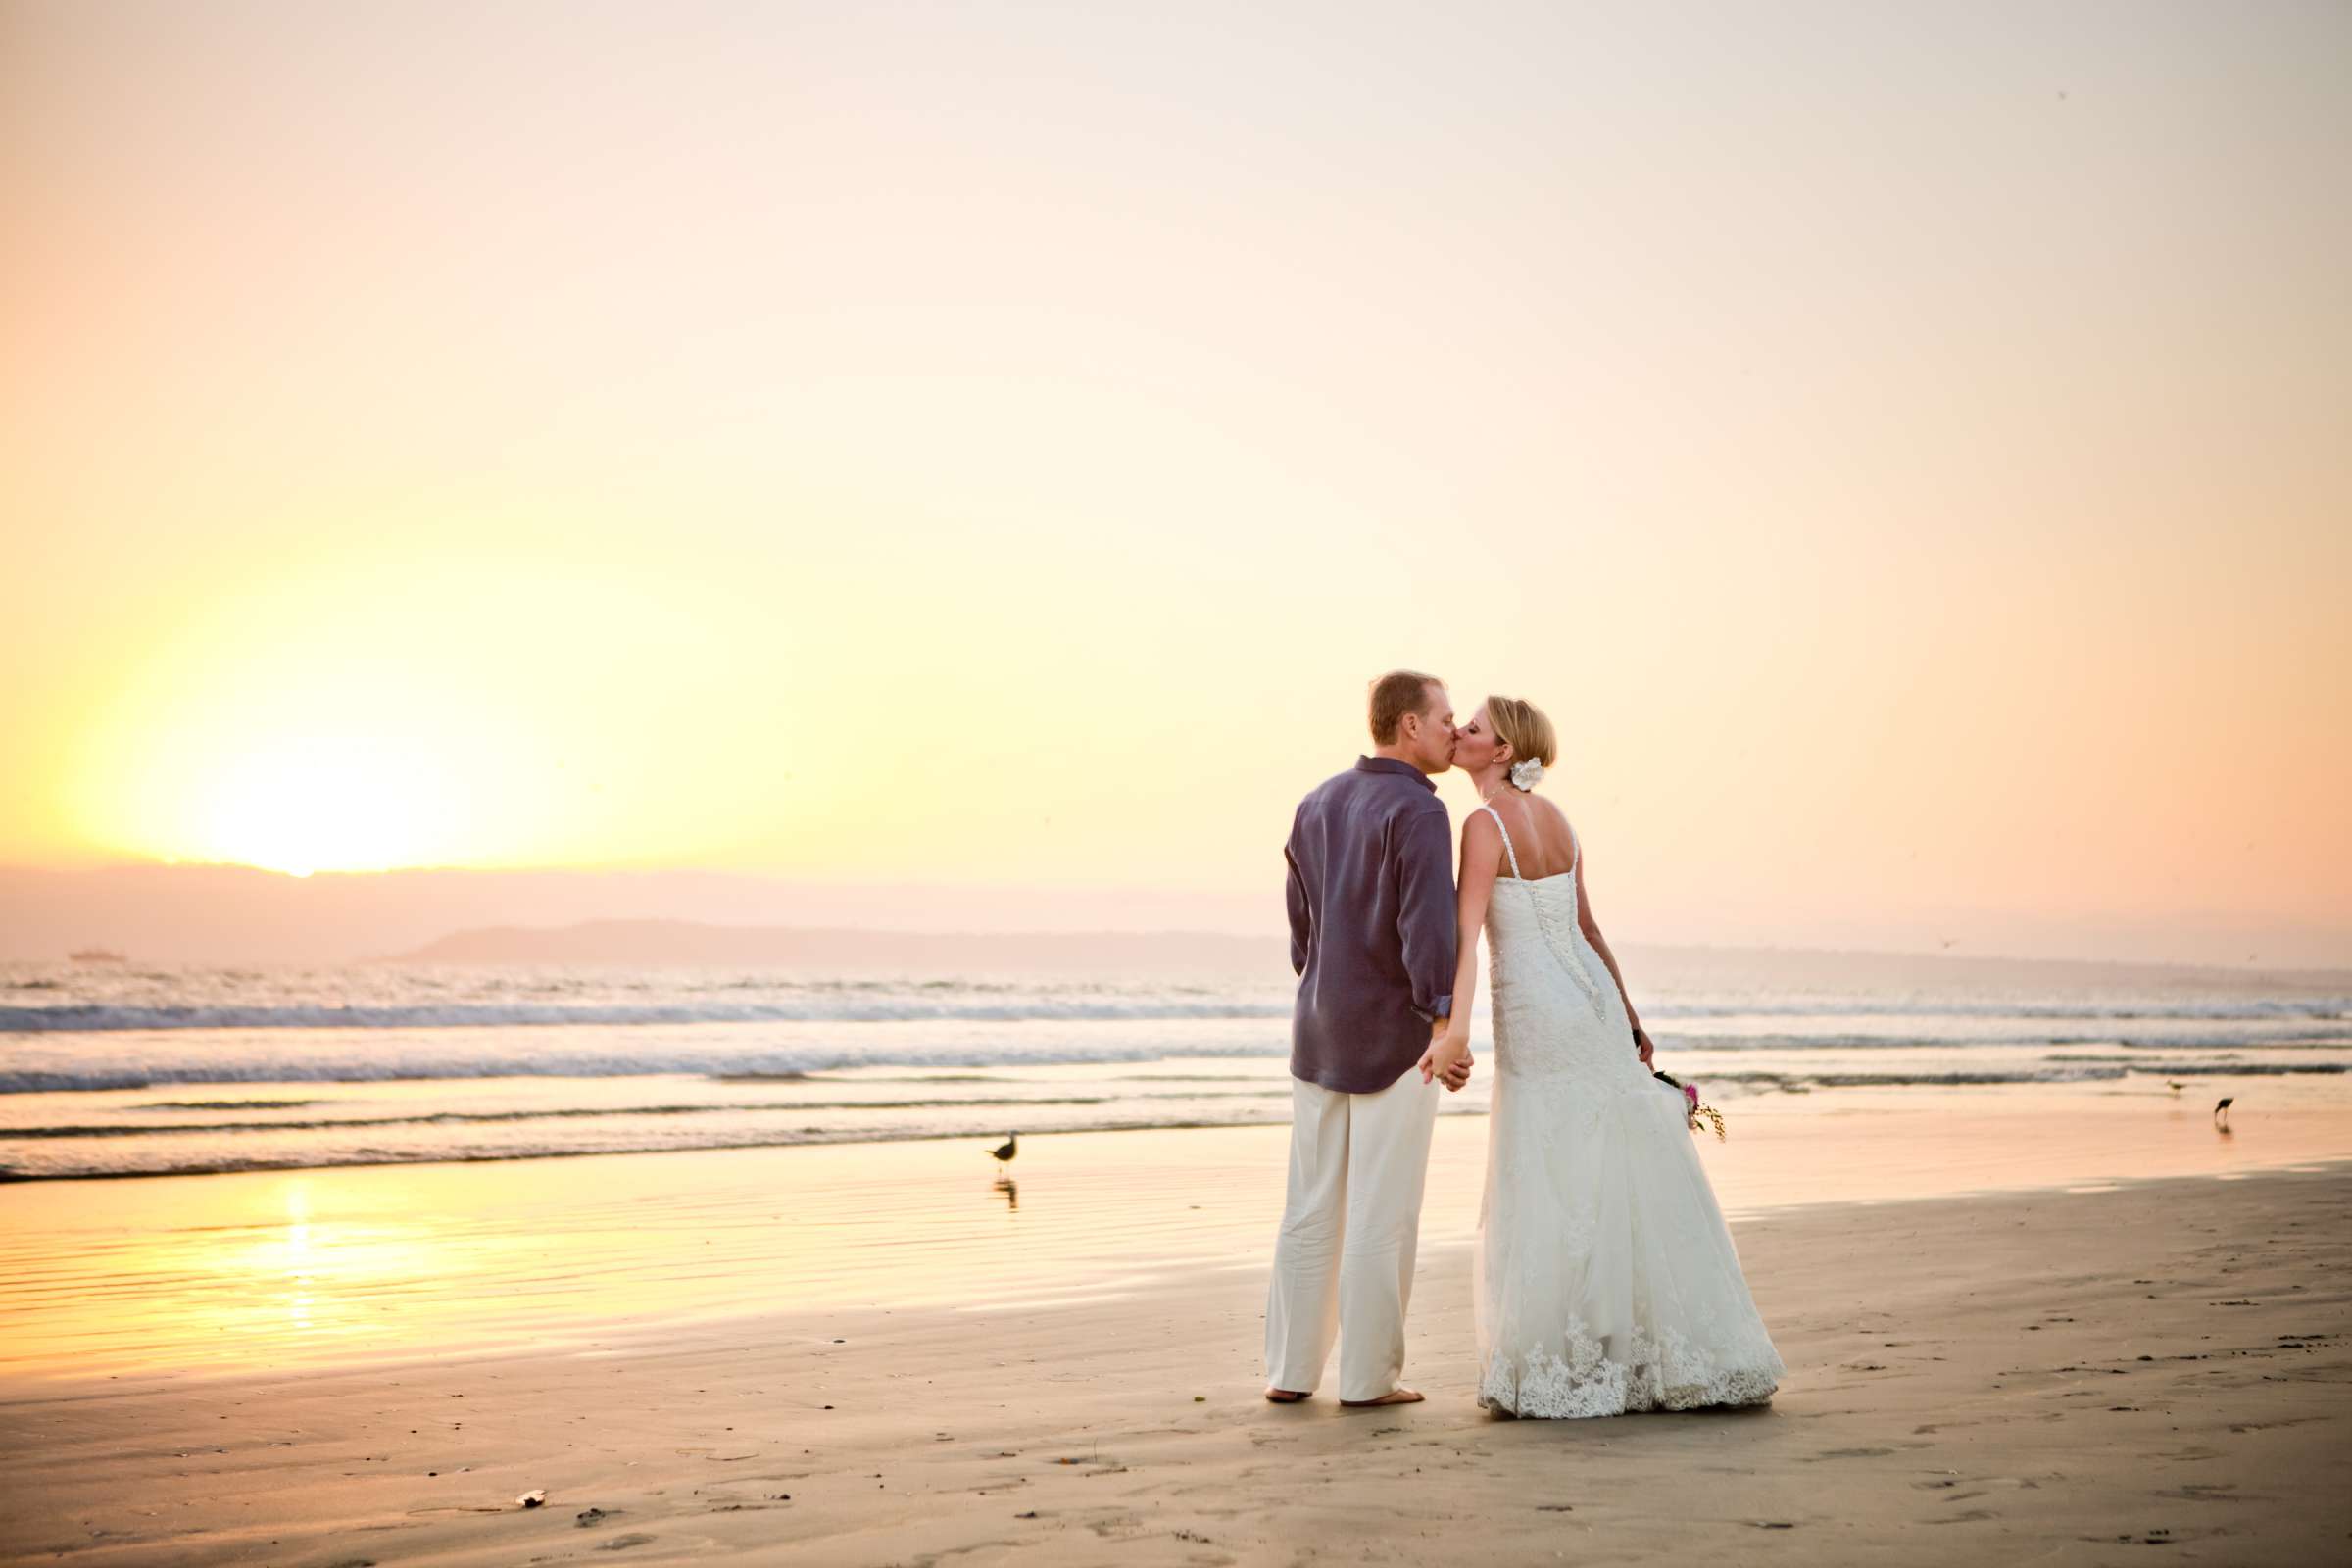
x: 1372, y: 925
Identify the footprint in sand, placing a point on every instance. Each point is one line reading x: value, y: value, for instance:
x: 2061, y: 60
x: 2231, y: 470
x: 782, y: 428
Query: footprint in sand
x: 1116, y: 1525
x: 2214, y: 1492
x: 624, y: 1543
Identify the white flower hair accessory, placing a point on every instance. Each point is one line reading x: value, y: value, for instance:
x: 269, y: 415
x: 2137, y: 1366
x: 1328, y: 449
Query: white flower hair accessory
x: 1524, y: 775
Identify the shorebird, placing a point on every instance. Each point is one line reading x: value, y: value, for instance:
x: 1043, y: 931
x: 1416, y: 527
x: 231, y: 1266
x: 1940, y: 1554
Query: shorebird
x: 2221, y: 1112
x: 2174, y: 1085
x: 1002, y: 1154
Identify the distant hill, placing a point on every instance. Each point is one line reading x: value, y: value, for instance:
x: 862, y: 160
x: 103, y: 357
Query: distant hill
x: 225, y: 915
x: 237, y: 915
x: 688, y: 942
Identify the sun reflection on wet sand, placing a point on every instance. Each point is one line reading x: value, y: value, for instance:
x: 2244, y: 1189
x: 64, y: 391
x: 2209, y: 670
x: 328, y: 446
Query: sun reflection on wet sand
x: 268, y: 1270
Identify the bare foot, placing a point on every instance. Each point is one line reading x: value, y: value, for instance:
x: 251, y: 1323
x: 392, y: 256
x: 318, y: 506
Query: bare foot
x: 1285, y: 1396
x: 1392, y: 1397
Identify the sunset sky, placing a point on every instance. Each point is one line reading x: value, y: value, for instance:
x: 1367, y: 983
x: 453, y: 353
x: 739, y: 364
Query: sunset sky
x: 1904, y: 448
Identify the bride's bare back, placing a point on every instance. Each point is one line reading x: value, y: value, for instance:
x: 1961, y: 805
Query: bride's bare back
x: 1539, y: 834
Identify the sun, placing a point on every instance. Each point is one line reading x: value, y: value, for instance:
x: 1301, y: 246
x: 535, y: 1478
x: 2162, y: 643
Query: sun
x: 370, y: 715
x: 351, y: 721
x: 323, y: 803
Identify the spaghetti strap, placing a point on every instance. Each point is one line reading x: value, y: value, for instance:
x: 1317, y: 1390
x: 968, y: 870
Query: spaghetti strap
x: 1506, y: 840
x: 1575, y: 850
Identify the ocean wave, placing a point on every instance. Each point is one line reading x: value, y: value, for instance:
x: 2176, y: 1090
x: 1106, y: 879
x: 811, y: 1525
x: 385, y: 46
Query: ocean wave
x: 56, y: 1155
x: 1836, y: 1040
x: 198, y: 1002
x: 2251, y: 1009
x: 2069, y: 1073
x: 100, y: 1017
x: 90, y: 1068
x: 462, y: 1119
x: 571, y: 1060
x: 217, y: 1164
x: 2270, y: 1032
x: 2062, y: 1072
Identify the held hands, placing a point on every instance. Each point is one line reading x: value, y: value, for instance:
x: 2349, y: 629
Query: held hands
x: 1448, y: 1055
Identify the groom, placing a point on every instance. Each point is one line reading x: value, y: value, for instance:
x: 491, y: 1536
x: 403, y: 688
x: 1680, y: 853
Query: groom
x: 1372, y: 940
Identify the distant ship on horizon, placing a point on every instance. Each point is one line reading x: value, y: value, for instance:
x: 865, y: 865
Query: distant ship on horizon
x: 97, y: 956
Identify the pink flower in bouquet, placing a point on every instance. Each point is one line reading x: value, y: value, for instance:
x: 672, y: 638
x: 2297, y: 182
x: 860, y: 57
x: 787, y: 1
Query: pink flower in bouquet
x: 1696, y: 1114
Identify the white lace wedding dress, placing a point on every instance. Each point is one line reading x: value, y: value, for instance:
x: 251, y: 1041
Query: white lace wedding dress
x: 1607, y: 1279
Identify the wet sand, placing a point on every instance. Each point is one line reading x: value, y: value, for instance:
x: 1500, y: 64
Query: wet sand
x: 2152, y: 1365
x: 273, y: 1271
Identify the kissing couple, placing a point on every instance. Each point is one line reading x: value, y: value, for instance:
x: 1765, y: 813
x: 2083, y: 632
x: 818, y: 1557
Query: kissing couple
x: 1605, y: 1278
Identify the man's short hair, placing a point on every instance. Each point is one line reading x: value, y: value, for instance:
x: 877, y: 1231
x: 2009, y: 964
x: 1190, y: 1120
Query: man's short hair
x: 1397, y: 693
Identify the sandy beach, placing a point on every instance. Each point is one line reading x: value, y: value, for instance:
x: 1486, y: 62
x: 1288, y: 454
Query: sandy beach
x: 2154, y: 1360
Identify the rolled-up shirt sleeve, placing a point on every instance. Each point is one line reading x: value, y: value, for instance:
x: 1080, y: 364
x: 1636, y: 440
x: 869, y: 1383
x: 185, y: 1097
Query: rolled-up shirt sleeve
x: 1301, y: 924
x: 1425, y: 909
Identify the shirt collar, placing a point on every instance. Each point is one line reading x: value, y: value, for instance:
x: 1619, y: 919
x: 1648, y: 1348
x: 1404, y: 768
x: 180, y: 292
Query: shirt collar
x: 1390, y: 764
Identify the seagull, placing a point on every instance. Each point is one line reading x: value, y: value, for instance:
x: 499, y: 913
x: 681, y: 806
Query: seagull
x: 1002, y: 1154
x: 2174, y: 1085
x: 2221, y: 1112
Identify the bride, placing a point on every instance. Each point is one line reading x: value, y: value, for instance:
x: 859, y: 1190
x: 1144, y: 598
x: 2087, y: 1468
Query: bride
x: 1607, y: 1279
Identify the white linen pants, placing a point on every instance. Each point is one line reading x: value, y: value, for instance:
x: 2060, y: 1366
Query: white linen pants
x: 1343, y: 1260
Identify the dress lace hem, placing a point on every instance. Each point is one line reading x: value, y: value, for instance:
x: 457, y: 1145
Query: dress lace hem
x: 1588, y: 1382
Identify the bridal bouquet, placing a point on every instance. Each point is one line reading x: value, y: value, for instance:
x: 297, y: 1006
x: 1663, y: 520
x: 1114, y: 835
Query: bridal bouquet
x: 1692, y: 1111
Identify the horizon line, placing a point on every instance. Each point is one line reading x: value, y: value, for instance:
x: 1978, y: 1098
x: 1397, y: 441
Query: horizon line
x: 2341, y: 974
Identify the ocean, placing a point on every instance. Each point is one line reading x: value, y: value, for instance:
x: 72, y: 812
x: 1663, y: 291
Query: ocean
x: 126, y: 1069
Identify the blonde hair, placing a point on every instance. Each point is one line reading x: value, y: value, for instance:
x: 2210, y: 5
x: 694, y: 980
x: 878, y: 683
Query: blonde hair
x: 1521, y: 724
